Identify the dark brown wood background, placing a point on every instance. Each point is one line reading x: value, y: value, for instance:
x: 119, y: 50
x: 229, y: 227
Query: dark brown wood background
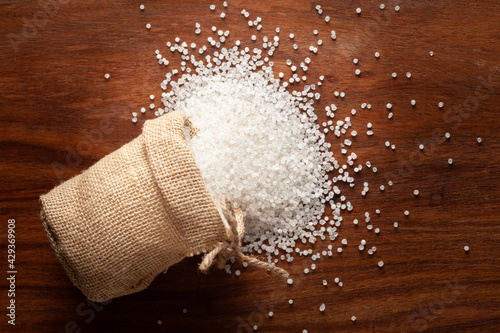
x: 53, y: 94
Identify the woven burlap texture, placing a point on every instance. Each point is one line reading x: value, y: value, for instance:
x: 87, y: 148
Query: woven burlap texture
x: 134, y: 213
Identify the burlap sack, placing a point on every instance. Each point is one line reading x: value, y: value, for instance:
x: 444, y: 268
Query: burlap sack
x: 136, y: 212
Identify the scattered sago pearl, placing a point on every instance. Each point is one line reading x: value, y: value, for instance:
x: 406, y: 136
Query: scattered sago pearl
x: 377, y: 55
x: 407, y: 212
x: 381, y: 264
x: 358, y: 10
x: 289, y: 281
x: 148, y: 26
x: 355, y: 60
x: 357, y: 72
x: 408, y: 74
x: 421, y: 147
x: 394, y: 75
x: 441, y: 104
x: 447, y: 135
x: 322, y: 307
x: 389, y: 105
x: 353, y: 318
x: 271, y: 313
x: 341, y: 284
x: 479, y: 140
x: 382, y: 6
x: 396, y: 224
x: 290, y: 301
x: 397, y: 8
x: 143, y: 110
x: 327, y: 19
x: 416, y: 192
x: 212, y: 7
x: 466, y: 248
x: 450, y: 161
x: 107, y: 76
x: 413, y: 102
x: 431, y: 53
x: 141, y: 7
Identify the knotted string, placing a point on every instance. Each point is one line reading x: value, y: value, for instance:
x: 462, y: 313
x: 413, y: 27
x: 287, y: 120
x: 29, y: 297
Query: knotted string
x: 232, y: 248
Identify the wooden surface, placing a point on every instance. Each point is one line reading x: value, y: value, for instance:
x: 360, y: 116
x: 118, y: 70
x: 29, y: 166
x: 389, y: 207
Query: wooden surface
x: 53, y: 94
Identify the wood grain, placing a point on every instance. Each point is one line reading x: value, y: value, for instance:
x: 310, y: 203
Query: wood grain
x: 53, y: 95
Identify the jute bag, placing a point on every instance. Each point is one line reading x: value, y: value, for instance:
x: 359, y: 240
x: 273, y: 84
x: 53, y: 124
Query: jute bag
x: 138, y: 211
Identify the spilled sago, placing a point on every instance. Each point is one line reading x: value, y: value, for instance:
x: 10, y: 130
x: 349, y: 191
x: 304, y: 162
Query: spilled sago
x: 259, y: 145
